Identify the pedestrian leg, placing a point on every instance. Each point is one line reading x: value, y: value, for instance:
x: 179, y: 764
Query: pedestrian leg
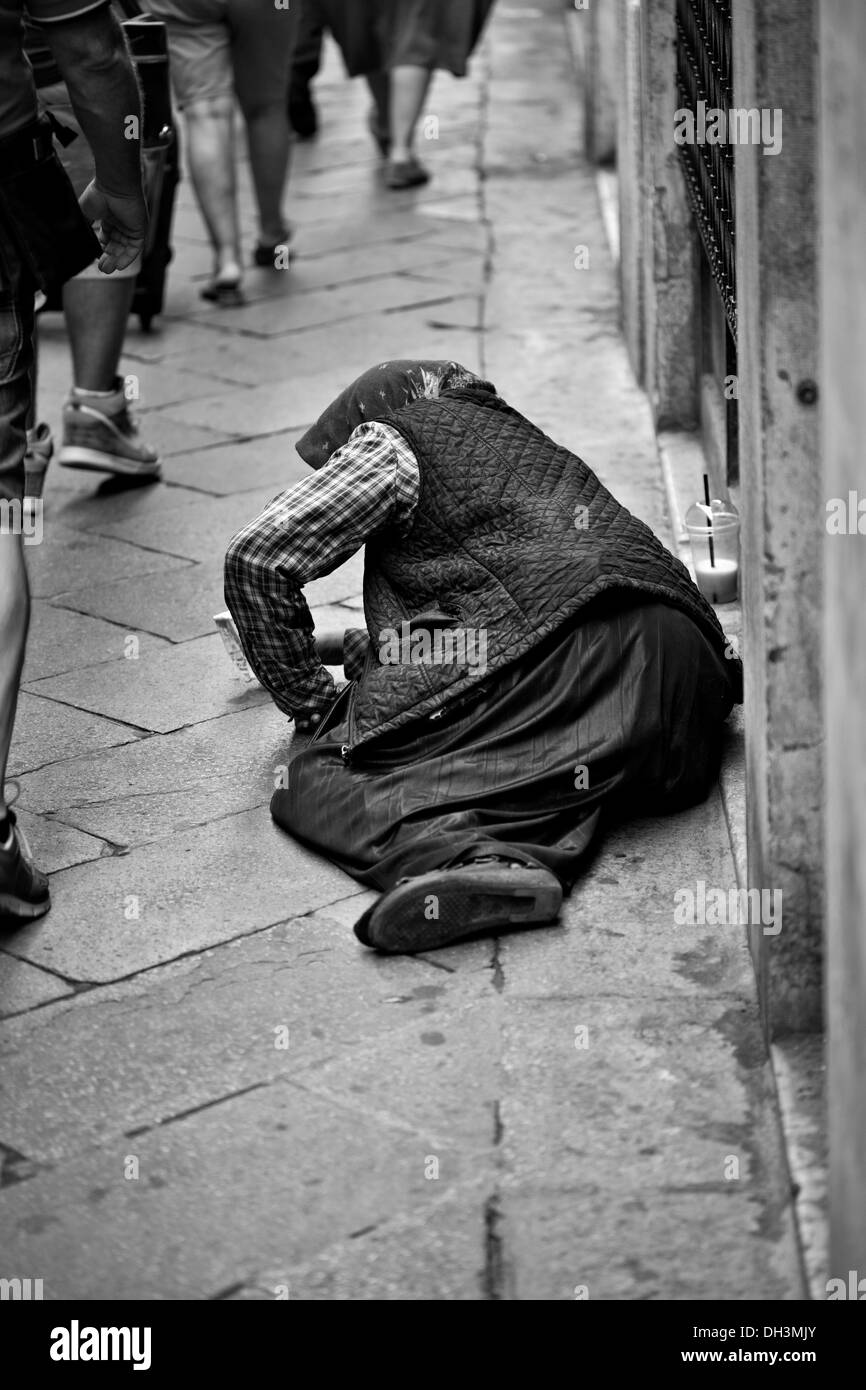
x: 210, y: 133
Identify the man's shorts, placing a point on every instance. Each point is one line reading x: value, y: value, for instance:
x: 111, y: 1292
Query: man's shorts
x: 17, y: 292
x: 225, y: 48
x: 77, y: 160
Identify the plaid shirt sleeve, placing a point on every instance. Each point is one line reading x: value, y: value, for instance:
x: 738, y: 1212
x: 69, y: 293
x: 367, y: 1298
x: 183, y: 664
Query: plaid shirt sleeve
x: 369, y: 485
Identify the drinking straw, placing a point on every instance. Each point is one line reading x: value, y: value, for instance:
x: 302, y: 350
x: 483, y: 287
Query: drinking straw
x: 709, y: 518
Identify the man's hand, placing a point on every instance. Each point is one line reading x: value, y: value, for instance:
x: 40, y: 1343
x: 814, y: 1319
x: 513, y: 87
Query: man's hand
x: 308, y: 720
x: 120, y: 224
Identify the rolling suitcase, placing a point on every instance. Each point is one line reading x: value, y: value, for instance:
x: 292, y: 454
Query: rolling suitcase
x: 160, y: 159
x: 160, y: 155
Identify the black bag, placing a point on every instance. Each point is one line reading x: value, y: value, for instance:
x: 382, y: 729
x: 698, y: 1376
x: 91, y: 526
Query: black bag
x: 39, y: 209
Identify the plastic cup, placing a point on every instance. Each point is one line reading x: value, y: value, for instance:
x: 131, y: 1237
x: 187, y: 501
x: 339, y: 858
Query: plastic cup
x: 717, y: 565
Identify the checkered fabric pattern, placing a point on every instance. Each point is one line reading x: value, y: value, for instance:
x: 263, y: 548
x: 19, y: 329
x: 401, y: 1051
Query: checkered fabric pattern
x: 371, y: 484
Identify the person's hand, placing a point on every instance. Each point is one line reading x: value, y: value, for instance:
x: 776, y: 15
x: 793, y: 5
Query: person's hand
x: 308, y: 720
x: 120, y: 223
x: 307, y: 723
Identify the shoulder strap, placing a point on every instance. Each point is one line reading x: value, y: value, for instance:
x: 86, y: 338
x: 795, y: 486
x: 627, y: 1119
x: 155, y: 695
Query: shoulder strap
x: 131, y: 8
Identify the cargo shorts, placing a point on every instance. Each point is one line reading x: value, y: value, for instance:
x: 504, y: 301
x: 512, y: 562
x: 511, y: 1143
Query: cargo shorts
x: 222, y: 47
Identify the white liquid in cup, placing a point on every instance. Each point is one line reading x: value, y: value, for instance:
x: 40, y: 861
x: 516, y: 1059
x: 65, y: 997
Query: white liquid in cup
x: 718, y: 582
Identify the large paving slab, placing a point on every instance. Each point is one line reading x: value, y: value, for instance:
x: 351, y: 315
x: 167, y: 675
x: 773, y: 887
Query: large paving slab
x: 429, y: 1257
x: 623, y: 941
x: 72, y: 501
x: 215, y: 882
x: 57, y: 845
x: 48, y: 732
x: 158, y: 603
x: 639, y: 1086
x: 179, y: 685
x: 269, y: 461
x: 157, y: 787
x: 572, y: 1245
x: 60, y: 640
x: 200, y: 528
x: 394, y: 1037
x: 285, y: 404
x: 24, y: 987
x: 70, y: 560
x: 205, y: 1212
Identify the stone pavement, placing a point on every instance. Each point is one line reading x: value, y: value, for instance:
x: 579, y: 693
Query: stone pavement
x: 209, y: 1089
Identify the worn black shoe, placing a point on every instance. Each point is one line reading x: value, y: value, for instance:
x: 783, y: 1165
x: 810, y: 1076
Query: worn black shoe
x: 277, y: 255
x: 434, y: 909
x: 24, y: 893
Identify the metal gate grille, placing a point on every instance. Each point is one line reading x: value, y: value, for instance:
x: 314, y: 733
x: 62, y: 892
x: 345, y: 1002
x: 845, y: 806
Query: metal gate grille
x: 704, y: 73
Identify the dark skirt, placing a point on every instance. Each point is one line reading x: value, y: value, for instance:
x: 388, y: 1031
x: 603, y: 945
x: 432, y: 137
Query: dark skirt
x: 619, y: 715
x: 377, y: 35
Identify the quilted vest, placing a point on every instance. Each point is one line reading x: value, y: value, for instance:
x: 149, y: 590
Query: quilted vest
x: 512, y: 535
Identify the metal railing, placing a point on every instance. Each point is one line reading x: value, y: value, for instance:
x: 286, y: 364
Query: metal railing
x: 704, y: 74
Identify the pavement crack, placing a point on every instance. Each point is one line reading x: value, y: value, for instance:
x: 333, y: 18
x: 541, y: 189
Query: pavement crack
x: 496, y: 967
x: 492, y: 1274
x: 228, y: 1292
x: 17, y: 1167
x: 498, y: 1127
x: 194, y: 1110
x: 437, y: 964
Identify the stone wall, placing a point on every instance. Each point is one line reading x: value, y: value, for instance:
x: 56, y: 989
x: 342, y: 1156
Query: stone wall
x: 781, y: 501
x: 843, y: 355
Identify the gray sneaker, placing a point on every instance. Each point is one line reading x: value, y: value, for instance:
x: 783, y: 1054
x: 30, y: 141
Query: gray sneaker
x: 105, y: 439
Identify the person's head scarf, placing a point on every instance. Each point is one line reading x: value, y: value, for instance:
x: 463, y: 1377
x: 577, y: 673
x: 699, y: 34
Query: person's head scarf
x: 378, y: 393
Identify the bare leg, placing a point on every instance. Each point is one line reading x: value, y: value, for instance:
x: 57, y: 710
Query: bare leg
x: 409, y: 87
x: 14, y: 622
x: 380, y: 90
x: 96, y: 313
x: 211, y: 153
x: 263, y: 44
x: 268, y: 141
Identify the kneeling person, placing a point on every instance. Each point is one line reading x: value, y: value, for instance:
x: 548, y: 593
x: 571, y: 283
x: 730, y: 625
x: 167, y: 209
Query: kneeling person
x: 535, y: 662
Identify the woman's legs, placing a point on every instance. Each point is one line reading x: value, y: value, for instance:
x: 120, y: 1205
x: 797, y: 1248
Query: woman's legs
x: 409, y: 88
x: 268, y: 143
x: 210, y: 146
x: 263, y: 43
x: 380, y: 117
x: 199, y: 45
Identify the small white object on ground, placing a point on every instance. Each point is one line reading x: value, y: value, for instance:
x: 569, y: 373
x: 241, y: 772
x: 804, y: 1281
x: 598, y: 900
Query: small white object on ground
x: 225, y: 624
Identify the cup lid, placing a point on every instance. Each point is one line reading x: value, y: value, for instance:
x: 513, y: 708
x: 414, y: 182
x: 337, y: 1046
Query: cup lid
x: 718, y: 516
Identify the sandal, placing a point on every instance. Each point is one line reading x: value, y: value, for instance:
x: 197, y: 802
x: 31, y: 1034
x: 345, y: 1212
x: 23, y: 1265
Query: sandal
x: 265, y: 253
x: 405, y: 173
x: 226, y: 293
